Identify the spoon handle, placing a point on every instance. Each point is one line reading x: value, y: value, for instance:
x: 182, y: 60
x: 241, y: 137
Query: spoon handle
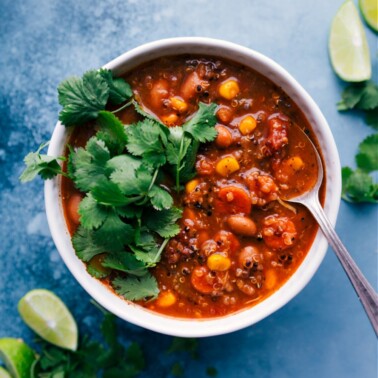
x: 364, y: 290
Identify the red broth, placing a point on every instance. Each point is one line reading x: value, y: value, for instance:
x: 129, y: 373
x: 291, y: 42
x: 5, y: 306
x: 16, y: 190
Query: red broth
x: 238, y: 242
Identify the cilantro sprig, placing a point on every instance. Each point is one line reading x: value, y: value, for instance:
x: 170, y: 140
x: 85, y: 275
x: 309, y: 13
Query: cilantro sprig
x: 127, y: 215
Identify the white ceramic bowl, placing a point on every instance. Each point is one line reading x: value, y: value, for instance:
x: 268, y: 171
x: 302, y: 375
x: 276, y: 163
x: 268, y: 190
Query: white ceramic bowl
x: 215, y: 326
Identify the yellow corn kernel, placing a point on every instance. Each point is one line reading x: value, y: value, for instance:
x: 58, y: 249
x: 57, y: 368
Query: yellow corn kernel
x: 247, y: 125
x: 191, y: 185
x: 270, y: 279
x: 218, y: 262
x: 178, y: 104
x: 169, y: 119
x: 295, y: 163
x: 166, y: 299
x: 229, y: 89
x: 227, y: 165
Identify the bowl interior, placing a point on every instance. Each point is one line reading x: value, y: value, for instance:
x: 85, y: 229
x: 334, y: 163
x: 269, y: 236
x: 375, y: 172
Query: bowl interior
x: 204, y: 327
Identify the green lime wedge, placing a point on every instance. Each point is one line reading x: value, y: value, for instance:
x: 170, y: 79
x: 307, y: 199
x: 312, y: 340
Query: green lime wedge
x: 17, y: 357
x: 48, y: 316
x: 4, y: 373
x: 348, y: 48
x: 369, y: 9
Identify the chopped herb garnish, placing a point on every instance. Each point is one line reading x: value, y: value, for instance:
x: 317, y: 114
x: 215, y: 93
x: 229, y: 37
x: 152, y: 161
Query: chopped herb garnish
x: 127, y: 214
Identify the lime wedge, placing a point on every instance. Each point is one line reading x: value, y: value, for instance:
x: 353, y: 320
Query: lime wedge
x: 17, y: 356
x: 369, y: 9
x: 348, y: 48
x: 48, y: 316
x: 4, y: 373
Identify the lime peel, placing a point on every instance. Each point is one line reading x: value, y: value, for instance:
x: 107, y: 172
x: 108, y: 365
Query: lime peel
x: 18, y: 357
x: 369, y: 10
x: 49, y: 317
x: 348, y: 48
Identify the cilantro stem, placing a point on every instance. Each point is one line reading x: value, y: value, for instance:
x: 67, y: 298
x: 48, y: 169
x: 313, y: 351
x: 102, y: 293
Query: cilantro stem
x: 179, y: 165
x: 122, y: 107
x: 157, y: 258
x: 153, y: 180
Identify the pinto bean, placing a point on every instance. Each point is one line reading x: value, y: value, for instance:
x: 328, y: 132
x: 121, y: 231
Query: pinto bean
x: 246, y: 257
x: 224, y: 137
x: 242, y: 225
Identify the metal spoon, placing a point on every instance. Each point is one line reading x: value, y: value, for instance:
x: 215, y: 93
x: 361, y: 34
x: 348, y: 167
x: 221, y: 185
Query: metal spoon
x: 364, y: 290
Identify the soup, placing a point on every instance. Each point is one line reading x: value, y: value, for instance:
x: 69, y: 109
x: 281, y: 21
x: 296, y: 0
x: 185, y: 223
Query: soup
x: 238, y: 242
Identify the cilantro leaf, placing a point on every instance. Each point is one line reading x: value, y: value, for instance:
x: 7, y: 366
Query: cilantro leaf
x: 39, y: 164
x: 367, y: 158
x: 88, y: 166
x: 180, y: 344
x: 362, y: 96
x: 112, y: 132
x: 133, y: 288
x: 211, y: 371
x: 85, y: 244
x: 177, y: 370
x: 372, y: 118
x: 119, y: 89
x: 160, y: 198
x: 369, y: 98
x: 138, y: 108
x: 134, y: 355
x: 114, y: 234
x: 147, y: 138
x: 108, y: 193
x: 163, y: 222
x: 92, y: 214
x: 201, y: 126
x: 358, y: 186
x: 97, y: 271
x: 149, y: 255
x: 188, y: 172
x: 125, y: 262
x: 82, y: 98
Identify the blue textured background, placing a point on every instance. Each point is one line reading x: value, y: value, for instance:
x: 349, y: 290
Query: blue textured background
x: 323, y: 332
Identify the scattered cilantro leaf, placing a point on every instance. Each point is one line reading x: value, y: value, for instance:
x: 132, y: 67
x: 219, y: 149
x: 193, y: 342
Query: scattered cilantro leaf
x: 358, y: 186
x: 163, y: 222
x: 82, y: 98
x: 39, y: 164
x: 363, y: 96
x: 367, y: 157
x: 372, y: 118
x: 92, y: 214
x: 189, y: 345
x: 119, y: 89
x: 177, y: 370
x: 201, y: 126
x: 133, y: 288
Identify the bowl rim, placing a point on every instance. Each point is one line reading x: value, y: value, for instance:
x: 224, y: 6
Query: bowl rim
x: 209, y: 326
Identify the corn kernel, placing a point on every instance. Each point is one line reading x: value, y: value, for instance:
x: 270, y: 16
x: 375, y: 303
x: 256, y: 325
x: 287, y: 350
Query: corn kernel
x: 247, y: 125
x: 166, y: 299
x: 191, y: 185
x: 169, y: 119
x: 218, y: 262
x: 178, y: 104
x: 270, y: 279
x: 296, y: 163
x: 227, y: 165
x: 229, y: 89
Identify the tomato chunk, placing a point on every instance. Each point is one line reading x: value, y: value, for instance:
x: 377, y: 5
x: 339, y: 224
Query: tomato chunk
x: 233, y: 199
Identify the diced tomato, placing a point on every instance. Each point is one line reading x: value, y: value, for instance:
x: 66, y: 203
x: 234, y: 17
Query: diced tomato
x: 233, y: 199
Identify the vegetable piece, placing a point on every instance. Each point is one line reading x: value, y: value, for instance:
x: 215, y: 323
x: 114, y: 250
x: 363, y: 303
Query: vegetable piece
x: 159, y: 92
x: 270, y: 279
x: 218, y: 262
x: 242, y: 225
x: 201, y: 280
x: 82, y: 98
x: 246, y: 257
x: 233, y: 200
x: 227, y: 241
x: 177, y: 103
x: 166, y: 299
x: 169, y: 119
x: 43, y: 165
x: 225, y: 115
x: 247, y: 125
x: 190, y: 85
x: 191, y: 186
x: 73, y: 208
x: 279, y: 232
x: 134, y: 288
x: 294, y: 163
x: 229, y: 89
x: 224, y: 136
x: 227, y: 165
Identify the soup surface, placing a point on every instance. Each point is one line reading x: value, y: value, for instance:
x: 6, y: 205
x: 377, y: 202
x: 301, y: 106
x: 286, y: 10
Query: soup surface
x: 238, y: 241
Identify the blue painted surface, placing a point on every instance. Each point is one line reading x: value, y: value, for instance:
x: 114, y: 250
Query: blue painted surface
x: 323, y: 332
